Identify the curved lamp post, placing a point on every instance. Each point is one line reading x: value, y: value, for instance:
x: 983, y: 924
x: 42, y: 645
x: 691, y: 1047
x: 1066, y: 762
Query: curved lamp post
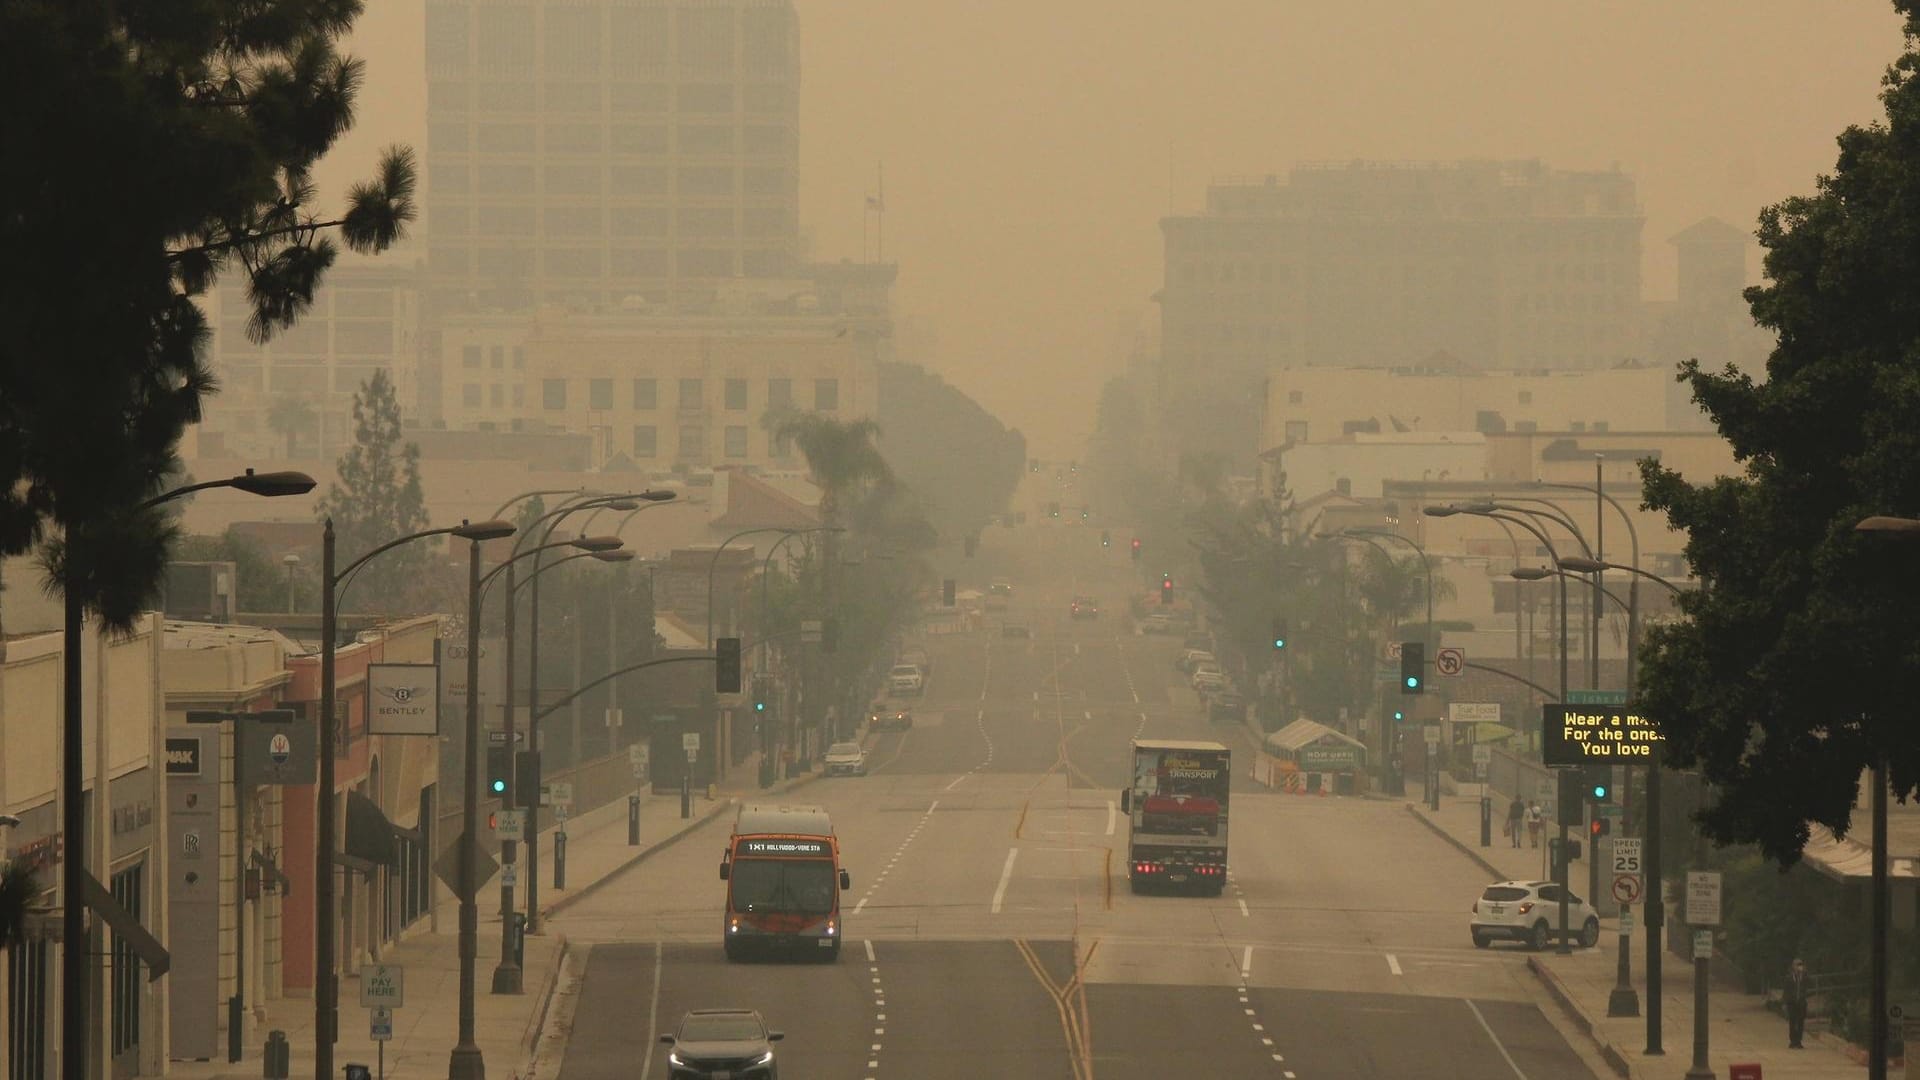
x: 74, y: 983
x: 713, y: 565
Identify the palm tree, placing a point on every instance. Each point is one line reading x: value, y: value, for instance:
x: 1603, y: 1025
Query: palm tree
x: 290, y: 414
x: 840, y: 454
x: 17, y: 890
x: 1395, y: 589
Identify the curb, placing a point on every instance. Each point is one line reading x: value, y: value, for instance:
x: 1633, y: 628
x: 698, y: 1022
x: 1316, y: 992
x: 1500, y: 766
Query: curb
x: 565, y: 902
x: 1559, y: 993
x: 1442, y: 833
x: 537, y: 1022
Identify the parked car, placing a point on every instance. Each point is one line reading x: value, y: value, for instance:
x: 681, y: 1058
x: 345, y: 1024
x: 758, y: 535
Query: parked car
x: 1197, y: 639
x: 1158, y: 622
x: 890, y: 720
x: 1226, y: 706
x: 1086, y: 607
x: 918, y: 658
x: 1207, y: 678
x: 846, y: 759
x: 1192, y: 658
x: 1529, y: 911
x: 1015, y: 628
x: 906, y: 679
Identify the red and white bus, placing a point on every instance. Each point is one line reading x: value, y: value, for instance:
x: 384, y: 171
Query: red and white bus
x: 784, y: 880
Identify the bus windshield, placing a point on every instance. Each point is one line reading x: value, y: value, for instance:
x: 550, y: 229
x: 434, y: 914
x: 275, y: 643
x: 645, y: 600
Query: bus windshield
x: 783, y: 886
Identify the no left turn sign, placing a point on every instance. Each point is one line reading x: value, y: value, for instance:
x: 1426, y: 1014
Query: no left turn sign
x: 1626, y: 888
x: 1450, y: 661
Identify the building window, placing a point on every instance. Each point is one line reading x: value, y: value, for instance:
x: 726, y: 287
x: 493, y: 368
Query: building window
x: 599, y: 393
x: 470, y: 356
x: 646, y: 441
x: 1577, y: 425
x: 1526, y: 397
x: 737, y: 395
x: 1600, y: 425
x: 1296, y: 431
x: 498, y: 356
x: 737, y: 441
x: 1295, y: 397
x: 690, y: 393
x: 470, y: 395
x: 519, y: 396
x: 826, y: 394
x: 693, y: 442
x: 496, y: 395
x: 646, y: 394
x: 779, y: 394
x: 553, y: 393
x: 519, y: 358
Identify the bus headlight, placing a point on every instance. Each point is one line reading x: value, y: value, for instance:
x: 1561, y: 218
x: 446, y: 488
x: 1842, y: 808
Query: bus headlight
x: 829, y: 927
x: 764, y: 1059
x: 733, y: 926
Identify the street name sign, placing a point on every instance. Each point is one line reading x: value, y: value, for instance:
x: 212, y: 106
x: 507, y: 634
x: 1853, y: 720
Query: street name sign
x: 1596, y: 697
x: 1626, y: 855
x: 1703, y: 898
x: 1595, y: 735
x: 382, y: 985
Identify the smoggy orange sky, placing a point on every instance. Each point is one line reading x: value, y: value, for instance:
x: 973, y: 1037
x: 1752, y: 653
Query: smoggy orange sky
x: 1031, y: 146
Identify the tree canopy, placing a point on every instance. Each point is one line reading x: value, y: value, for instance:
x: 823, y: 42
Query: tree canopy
x: 148, y: 149
x: 964, y: 463
x: 378, y: 498
x: 1793, y: 666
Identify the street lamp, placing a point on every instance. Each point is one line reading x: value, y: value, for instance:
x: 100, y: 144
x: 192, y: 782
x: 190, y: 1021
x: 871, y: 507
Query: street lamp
x: 766, y: 569
x: 713, y: 565
x: 1878, y: 1034
x: 73, y: 868
x: 466, y: 1055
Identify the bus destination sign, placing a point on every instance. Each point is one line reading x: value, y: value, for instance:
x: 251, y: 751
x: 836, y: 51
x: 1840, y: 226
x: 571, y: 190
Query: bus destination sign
x: 1595, y: 735
x: 783, y: 847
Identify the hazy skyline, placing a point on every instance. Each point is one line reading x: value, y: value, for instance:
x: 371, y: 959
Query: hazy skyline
x: 1030, y: 150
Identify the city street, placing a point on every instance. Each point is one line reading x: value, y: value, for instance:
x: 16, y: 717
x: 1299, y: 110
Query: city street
x: 990, y: 929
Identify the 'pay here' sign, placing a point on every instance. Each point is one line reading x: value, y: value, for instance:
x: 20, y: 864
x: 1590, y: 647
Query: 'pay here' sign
x: 1595, y: 735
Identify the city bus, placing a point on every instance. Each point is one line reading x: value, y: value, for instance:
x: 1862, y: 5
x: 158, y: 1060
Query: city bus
x: 784, y: 880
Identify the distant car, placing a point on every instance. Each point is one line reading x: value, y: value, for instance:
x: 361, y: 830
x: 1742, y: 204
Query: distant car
x: 890, y: 720
x: 1197, y: 639
x: 1001, y: 587
x: 918, y: 658
x: 1015, y: 628
x: 1226, y: 706
x: 906, y: 679
x: 1157, y: 623
x: 1086, y: 607
x: 733, y: 1043
x: 1208, y: 678
x: 1529, y: 911
x: 846, y: 759
x: 1193, y: 658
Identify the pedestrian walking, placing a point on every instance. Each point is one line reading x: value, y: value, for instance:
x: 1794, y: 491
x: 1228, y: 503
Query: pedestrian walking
x: 1536, y: 820
x: 1794, y: 996
x: 1516, y: 813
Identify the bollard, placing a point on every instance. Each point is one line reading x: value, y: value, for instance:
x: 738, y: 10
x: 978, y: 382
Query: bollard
x: 276, y: 1059
x: 1486, y: 821
x: 633, y: 821
x: 236, y: 1027
x: 560, y: 860
x: 686, y: 795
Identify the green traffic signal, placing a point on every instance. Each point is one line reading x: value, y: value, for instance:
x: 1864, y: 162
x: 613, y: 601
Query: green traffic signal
x: 499, y: 786
x: 1398, y: 716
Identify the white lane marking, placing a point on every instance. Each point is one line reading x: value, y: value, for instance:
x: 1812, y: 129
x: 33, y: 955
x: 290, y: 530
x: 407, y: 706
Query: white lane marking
x: 1246, y: 961
x: 956, y: 781
x: 1497, y: 1044
x: 869, y: 950
x: 653, y: 1011
x: 1110, y: 813
x: 1006, y: 875
x: 1243, y: 910
x: 857, y: 907
x: 1393, y: 964
x: 931, y: 807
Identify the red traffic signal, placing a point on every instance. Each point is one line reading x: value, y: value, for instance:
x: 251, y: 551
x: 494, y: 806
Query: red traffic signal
x: 1601, y: 827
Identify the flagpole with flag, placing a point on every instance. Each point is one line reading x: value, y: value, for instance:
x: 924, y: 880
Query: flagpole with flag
x: 877, y: 206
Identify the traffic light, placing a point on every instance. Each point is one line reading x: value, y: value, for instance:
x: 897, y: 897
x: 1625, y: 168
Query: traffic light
x: 726, y: 665
x: 1597, y: 783
x: 1084, y: 513
x: 1279, y: 635
x: 946, y: 592
x: 1562, y: 853
x: 1053, y: 510
x: 499, y: 761
x: 1166, y: 588
x: 1136, y: 549
x: 762, y: 687
x: 1399, y: 716
x: 1572, y: 797
x: 526, y: 777
x: 1413, y: 667
x: 1599, y: 827
x: 1106, y: 538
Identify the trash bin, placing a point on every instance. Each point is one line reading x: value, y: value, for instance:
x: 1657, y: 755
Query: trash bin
x: 356, y: 1071
x: 275, y: 1060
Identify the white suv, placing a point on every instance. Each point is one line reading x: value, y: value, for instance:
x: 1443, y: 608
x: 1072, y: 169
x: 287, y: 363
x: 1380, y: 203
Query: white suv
x: 906, y: 679
x: 1529, y: 911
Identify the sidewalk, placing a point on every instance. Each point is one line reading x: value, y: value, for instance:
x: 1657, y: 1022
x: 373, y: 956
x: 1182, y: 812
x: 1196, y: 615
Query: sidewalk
x: 1742, y: 1030
x: 506, y: 1026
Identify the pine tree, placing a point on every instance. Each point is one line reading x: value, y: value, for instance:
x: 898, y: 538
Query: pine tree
x: 376, y: 498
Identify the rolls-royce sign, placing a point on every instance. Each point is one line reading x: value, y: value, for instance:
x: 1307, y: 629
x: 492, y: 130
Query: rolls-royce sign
x: 403, y: 699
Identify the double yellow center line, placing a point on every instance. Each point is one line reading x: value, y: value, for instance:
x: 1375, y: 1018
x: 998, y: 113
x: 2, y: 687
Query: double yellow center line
x: 1070, y: 999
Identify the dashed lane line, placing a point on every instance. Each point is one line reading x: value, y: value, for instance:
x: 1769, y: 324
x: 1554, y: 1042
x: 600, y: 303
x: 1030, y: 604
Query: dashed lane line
x: 1006, y: 875
x: 979, y: 718
x: 881, y: 878
x: 1393, y: 964
x: 879, y: 1013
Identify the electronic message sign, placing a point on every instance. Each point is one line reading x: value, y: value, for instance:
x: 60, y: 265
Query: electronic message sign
x: 1595, y: 735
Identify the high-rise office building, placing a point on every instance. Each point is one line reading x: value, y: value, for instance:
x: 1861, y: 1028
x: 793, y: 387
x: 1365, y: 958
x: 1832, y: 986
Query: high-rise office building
x: 608, y: 154
x: 1497, y: 264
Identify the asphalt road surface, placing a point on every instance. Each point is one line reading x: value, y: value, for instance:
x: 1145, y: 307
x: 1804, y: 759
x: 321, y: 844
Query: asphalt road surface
x: 990, y: 930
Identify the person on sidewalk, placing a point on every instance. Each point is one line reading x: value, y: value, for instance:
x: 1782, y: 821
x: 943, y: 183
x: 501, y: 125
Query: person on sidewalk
x: 1535, y: 820
x: 1794, y: 997
x: 1516, y: 812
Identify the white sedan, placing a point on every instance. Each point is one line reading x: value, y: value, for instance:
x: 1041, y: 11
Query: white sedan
x: 846, y: 759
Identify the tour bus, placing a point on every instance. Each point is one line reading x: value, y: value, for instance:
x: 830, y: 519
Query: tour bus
x: 783, y: 875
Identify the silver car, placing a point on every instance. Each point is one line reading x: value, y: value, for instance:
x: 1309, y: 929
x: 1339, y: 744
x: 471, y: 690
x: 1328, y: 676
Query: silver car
x: 846, y: 759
